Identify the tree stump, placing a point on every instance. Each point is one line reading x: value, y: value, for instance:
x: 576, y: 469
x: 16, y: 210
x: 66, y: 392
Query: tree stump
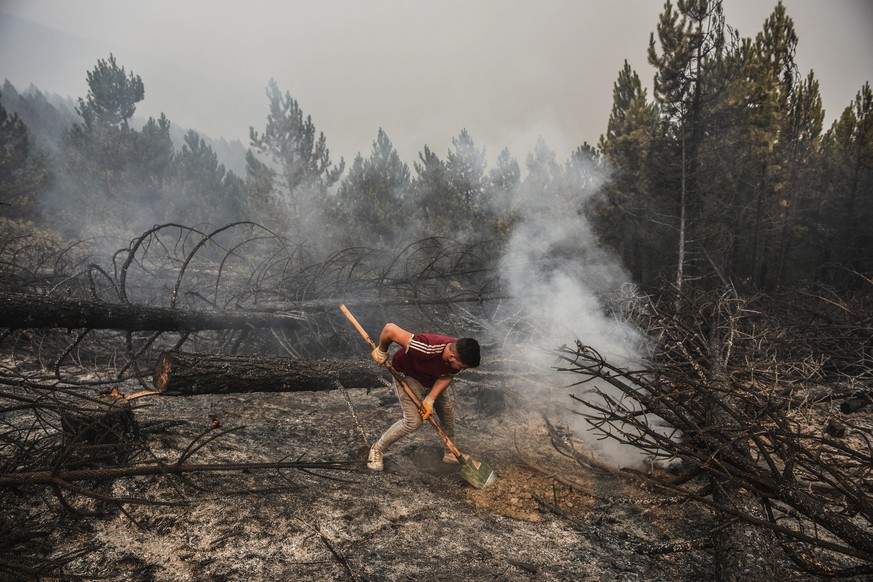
x: 98, y: 431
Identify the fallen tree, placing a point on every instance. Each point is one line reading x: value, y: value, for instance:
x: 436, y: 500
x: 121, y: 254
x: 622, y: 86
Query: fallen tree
x: 187, y: 373
x: 721, y: 400
x: 29, y: 311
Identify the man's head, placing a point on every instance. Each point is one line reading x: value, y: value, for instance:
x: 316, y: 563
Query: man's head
x: 468, y: 351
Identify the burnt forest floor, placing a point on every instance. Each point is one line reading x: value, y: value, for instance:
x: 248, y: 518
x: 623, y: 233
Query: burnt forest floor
x: 417, y: 520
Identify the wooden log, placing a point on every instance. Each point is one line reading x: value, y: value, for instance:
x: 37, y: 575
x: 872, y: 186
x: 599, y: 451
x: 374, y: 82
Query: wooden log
x: 28, y: 311
x: 855, y: 404
x: 187, y: 373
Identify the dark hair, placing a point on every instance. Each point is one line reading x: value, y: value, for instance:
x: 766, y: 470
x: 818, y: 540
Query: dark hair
x: 468, y: 351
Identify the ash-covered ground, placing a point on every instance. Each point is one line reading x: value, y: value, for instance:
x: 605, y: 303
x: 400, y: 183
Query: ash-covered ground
x: 546, y: 517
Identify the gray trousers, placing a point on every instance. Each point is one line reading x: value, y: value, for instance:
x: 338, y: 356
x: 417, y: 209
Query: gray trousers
x: 443, y: 407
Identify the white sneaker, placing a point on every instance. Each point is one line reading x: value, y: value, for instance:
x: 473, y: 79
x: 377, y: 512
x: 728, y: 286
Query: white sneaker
x: 374, y: 459
x: 450, y: 458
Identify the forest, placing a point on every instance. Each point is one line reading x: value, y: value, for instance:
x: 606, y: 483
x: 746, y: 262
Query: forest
x: 700, y: 280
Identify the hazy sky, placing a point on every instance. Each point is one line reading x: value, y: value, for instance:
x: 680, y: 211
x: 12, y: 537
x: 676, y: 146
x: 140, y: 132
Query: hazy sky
x: 506, y: 70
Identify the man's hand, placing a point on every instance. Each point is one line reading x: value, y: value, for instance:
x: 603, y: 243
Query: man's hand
x: 426, y: 408
x: 380, y: 356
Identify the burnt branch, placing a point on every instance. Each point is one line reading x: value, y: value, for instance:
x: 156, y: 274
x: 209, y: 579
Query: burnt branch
x: 62, y: 478
x: 727, y: 396
x: 238, y: 289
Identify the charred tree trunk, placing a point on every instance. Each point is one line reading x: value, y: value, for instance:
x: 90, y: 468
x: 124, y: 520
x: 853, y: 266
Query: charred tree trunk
x: 743, y: 551
x: 28, y: 311
x: 187, y: 374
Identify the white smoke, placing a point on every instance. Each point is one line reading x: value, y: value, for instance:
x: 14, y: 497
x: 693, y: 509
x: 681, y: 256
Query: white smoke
x: 553, y: 260
x: 563, y: 279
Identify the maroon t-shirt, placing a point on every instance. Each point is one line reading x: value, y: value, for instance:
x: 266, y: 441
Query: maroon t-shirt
x: 424, y: 358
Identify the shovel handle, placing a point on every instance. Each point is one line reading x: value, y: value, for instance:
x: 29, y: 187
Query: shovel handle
x: 402, y: 382
x: 357, y: 325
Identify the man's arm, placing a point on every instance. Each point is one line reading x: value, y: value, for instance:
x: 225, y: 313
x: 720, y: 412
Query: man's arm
x: 439, y: 385
x: 391, y: 333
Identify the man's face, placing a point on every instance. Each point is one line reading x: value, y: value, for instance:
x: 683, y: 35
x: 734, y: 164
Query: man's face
x: 452, y: 358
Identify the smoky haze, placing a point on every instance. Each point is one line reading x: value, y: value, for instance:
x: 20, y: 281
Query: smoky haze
x: 507, y: 71
x: 564, y: 279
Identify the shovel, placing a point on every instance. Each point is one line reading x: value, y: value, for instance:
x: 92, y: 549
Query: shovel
x: 476, y: 473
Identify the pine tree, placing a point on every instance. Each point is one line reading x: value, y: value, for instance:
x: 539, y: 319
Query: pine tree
x: 261, y: 204
x: 112, y: 96
x: 624, y: 210
x: 465, y: 164
x: 371, y: 200
x: 774, y: 74
x: 22, y: 173
x: 114, y: 174
x: 541, y: 187
x: 799, y: 148
x: 153, y: 154
x: 501, y: 187
x: 848, y: 202
x: 430, y: 185
x: 202, y: 188
x: 451, y: 193
x: 691, y: 49
x: 300, y: 156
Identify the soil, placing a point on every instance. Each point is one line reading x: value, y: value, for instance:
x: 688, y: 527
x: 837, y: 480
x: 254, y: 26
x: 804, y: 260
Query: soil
x: 545, y: 518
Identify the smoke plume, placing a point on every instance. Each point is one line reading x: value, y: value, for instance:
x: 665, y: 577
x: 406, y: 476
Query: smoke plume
x: 563, y: 278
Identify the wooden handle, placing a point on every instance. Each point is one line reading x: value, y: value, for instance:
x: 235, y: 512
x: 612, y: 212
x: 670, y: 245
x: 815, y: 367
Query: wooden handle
x: 357, y: 325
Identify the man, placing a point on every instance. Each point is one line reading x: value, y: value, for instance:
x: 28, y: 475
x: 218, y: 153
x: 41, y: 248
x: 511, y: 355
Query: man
x: 428, y: 363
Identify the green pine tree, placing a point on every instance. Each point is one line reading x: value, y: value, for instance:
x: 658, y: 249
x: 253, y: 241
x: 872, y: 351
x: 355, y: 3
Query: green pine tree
x: 624, y: 212
x: 371, y: 202
x: 299, y: 157
x: 848, y: 190
x: 22, y: 172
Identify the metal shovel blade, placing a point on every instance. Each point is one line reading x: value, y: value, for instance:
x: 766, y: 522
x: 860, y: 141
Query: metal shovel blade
x: 477, y: 473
